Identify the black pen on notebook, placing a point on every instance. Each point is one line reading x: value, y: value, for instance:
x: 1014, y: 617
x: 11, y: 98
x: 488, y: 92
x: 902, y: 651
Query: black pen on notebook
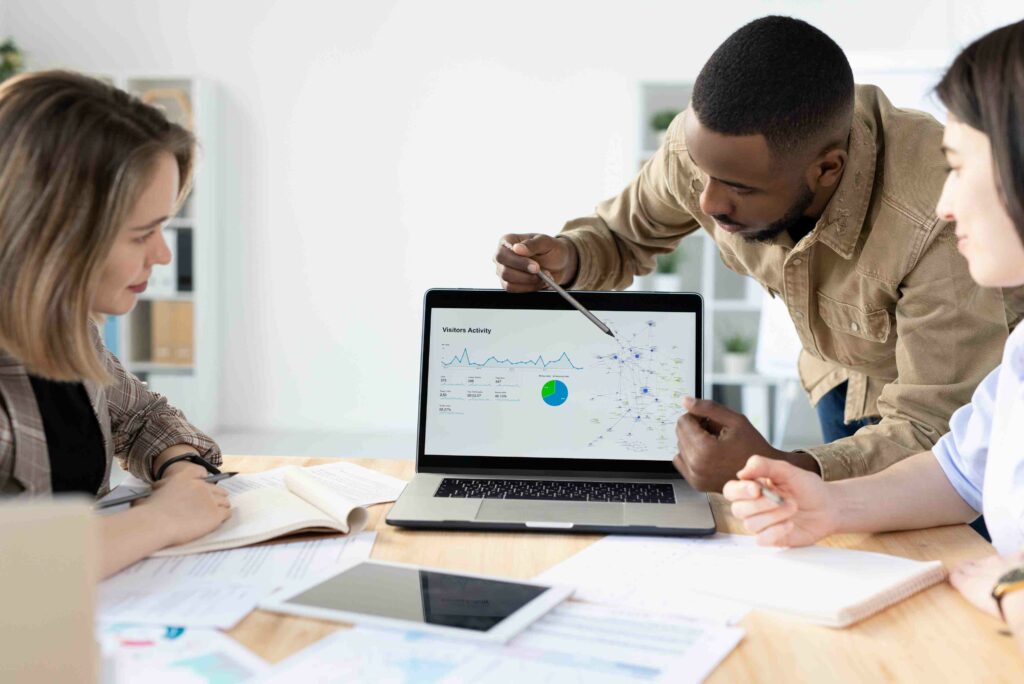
x: 135, y: 494
x: 569, y: 298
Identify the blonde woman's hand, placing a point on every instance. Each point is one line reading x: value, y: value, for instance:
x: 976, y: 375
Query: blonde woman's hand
x: 806, y: 515
x: 190, y: 507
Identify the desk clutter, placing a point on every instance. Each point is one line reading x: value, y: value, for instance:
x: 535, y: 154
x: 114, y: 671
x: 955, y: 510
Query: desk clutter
x: 644, y: 609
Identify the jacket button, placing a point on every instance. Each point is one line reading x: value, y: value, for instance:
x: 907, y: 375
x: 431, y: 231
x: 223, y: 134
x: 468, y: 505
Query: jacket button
x: 854, y: 327
x: 797, y: 261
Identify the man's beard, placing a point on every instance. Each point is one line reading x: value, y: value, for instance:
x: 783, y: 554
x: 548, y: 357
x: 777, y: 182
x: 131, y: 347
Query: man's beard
x: 789, y: 219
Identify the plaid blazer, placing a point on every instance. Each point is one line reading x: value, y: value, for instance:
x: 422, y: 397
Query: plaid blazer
x: 136, y: 424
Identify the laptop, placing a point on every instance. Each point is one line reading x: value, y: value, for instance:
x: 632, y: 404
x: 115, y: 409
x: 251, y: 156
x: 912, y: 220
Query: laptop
x: 532, y: 418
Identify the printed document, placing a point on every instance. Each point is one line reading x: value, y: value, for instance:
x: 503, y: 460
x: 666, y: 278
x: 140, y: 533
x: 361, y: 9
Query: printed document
x: 575, y: 642
x: 648, y: 572
x: 219, y: 588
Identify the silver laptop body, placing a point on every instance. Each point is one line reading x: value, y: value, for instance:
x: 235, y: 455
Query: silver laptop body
x: 531, y: 418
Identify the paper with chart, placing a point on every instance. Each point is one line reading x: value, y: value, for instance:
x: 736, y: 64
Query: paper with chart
x: 575, y: 642
x: 141, y: 653
x: 649, y: 572
x: 550, y: 384
x: 219, y: 588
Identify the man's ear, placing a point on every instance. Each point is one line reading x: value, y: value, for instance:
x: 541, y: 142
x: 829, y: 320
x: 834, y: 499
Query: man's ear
x: 827, y: 169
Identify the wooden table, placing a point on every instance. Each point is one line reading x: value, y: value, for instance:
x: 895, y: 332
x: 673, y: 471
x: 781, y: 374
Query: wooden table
x: 933, y: 636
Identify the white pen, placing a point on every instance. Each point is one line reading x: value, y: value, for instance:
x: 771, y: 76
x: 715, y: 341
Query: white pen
x: 569, y: 298
x: 771, y: 495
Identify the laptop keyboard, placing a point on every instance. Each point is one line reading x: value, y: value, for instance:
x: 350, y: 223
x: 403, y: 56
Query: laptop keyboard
x: 556, y: 490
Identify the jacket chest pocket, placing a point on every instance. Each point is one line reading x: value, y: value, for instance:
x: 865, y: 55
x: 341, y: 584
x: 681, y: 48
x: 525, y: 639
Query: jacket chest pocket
x: 856, y: 337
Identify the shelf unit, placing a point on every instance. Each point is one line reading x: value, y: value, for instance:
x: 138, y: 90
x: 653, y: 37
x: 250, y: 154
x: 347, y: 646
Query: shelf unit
x: 183, y: 295
x: 732, y: 302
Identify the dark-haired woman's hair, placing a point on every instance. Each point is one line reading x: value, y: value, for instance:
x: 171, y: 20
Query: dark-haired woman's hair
x: 984, y: 88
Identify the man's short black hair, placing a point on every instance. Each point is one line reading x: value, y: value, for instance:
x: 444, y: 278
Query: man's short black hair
x: 779, y: 77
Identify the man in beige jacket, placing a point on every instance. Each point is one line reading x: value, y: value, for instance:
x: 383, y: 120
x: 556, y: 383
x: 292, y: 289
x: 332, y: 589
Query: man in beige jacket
x: 824, y: 193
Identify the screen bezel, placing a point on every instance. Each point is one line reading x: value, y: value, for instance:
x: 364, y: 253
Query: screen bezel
x: 682, y: 302
x: 502, y: 632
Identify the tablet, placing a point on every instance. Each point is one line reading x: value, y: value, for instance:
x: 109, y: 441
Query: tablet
x: 421, y: 599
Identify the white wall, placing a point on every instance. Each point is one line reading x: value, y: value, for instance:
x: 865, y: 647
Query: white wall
x: 376, y: 149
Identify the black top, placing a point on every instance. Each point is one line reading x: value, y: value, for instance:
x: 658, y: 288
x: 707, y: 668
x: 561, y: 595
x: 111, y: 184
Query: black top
x: 78, y: 460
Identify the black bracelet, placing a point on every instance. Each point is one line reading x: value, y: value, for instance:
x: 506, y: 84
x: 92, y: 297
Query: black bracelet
x: 191, y: 457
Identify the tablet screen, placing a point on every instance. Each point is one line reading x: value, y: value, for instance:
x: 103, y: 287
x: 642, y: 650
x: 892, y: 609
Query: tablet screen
x: 422, y: 596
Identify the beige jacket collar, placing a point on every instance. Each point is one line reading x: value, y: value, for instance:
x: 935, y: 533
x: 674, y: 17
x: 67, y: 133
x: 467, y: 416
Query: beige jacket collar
x: 840, y: 225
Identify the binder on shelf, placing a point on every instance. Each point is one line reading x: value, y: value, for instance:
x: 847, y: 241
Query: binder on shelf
x: 183, y: 262
x: 112, y: 335
x: 171, y: 333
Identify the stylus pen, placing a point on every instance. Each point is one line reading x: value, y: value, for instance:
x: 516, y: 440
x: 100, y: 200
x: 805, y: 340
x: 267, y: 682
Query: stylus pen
x: 572, y: 300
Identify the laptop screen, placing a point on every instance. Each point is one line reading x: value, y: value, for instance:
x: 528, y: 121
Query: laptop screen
x: 541, y: 381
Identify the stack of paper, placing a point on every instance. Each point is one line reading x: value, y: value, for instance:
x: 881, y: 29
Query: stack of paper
x: 574, y: 643
x: 219, y: 588
x: 136, y: 653
x: 349, y: 481
x: 648, y: 572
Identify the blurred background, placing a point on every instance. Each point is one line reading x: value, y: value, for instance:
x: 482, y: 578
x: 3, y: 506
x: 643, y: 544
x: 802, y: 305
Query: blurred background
x: 356, y: 154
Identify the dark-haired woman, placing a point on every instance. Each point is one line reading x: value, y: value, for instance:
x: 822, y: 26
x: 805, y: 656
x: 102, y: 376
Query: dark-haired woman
x: 978, y: 467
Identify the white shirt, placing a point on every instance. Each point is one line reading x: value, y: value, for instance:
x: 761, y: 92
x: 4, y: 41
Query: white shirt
x: 983, y: 452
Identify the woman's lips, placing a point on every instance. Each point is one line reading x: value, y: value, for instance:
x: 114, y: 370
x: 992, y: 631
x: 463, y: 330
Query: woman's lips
x: 140, y: 288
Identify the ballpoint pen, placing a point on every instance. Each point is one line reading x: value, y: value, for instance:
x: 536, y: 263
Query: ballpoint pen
x: 569, y: 298
x: 134, y: 494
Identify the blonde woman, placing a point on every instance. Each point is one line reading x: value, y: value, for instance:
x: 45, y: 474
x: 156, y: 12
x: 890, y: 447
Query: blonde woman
x: 978, y: 466
x: 88, y: 178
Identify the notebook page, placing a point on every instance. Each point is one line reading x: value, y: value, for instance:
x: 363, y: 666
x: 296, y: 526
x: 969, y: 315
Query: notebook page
x: 255, y: 516
x: 351, y: 517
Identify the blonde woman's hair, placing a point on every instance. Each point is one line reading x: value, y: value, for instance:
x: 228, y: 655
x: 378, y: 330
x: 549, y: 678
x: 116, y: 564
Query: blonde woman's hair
x: 75, y: 156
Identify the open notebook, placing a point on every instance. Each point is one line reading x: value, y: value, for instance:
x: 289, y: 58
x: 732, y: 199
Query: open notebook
x: 304, y: 504
x: 833, y: 587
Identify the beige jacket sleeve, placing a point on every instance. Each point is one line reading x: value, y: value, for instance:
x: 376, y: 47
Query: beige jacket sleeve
x: 950, y: 335
x: 649, y: 217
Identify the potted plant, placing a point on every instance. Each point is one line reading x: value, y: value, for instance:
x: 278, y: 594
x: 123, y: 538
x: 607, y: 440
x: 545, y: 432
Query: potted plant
x: 666, y: 277
x: 738, y: 358
x: 660, y: 121
x: 10, y: 59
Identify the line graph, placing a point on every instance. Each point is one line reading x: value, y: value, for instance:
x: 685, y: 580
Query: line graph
x: 463, y: 360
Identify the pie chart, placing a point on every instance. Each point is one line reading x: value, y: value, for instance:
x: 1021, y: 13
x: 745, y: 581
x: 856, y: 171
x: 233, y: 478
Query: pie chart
x: 554, y: 392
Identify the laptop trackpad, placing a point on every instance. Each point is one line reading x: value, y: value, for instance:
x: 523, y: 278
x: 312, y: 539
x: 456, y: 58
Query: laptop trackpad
x: 583, y: 513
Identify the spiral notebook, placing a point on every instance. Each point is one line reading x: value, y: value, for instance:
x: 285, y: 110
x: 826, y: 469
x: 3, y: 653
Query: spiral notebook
x: 829, y: 586
x: 832, y: 587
